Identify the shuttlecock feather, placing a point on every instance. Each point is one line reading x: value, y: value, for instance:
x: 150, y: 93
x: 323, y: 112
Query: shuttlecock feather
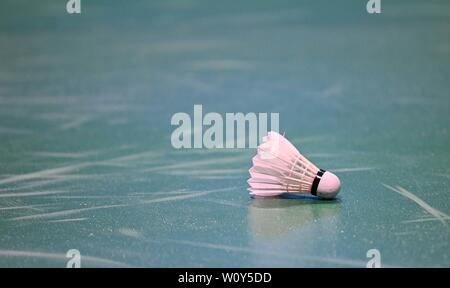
x: 279, y: 168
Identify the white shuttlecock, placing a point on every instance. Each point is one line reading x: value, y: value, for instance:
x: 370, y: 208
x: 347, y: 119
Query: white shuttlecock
x: 278, y: 168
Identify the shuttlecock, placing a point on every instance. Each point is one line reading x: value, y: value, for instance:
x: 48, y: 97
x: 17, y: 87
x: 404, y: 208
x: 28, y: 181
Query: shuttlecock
x: 279, y: 168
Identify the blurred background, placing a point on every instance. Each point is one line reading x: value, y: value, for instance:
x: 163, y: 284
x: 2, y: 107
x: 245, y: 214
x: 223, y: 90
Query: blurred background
x: 86, y: 161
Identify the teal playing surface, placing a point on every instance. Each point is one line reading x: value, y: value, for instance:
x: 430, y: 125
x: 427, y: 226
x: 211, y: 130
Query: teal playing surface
x: 86, y: 160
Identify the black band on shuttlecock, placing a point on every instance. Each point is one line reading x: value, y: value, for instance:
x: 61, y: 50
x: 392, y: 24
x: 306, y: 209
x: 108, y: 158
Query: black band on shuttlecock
x: 316, y: 181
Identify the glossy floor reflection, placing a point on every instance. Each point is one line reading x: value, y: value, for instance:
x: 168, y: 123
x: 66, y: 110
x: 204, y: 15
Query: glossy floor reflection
x: 86, y: 160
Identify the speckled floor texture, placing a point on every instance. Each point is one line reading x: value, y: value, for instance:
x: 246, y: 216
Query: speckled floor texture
x: 86, y: 160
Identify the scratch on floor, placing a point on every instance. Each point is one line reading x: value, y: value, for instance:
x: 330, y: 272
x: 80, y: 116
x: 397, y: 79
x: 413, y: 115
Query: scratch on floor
x: 229, y: 248
x: 28, y: 194
x: 217, y: 177
x: 426, y: 220
x: 355, y: 169
x: 96, y: 197
x: 205, y: 172
x: 187, y: 196
x: 75, y: 123
x: 136, y: 156
x: 70, y: 155
x: 32, y: 207
x: 179, y: 191
x: 59, y: 256
x: 150, y: 201
x: 44, y: 173
x: 332, y: 90
x: 438, y: 215
x: 65, y: 212
x: 68, y: 220
x: 56, y: 172
x: 225, y: 203
x: 198, y: 163
x: 130, y: 232
x: 34, y: 184
x: 15, y: 131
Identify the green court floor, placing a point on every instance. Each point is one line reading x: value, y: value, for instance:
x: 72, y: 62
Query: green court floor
x: 86, y: 160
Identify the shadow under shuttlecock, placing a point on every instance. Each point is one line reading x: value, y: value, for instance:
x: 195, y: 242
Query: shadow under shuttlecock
x: 308, y: 198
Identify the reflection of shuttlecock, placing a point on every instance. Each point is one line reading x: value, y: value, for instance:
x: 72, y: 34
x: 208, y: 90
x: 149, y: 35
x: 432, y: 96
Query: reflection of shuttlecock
x: 275, y: 217
x: 278, y: 168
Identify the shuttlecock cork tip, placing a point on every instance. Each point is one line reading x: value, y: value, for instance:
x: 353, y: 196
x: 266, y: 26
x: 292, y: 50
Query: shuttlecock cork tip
x: 329, y: 186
